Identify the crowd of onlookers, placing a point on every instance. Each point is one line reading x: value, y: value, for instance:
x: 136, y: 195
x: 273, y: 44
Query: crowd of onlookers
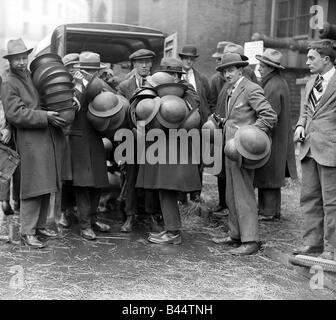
x: 258, y: 146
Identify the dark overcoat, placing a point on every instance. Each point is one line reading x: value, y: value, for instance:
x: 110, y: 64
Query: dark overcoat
x: 88, y: 157
x: 127, y: 87
x: 177, y: 177
x: 216, y: 84
x: 40, y: 145
x: 272, y: 175
x: 203, y: 91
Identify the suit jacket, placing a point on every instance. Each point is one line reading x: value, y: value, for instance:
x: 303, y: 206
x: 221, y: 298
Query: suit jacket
x: 217, y: 82
x: 320, y: 125
x: 203, y: 91
x: 248, y: 106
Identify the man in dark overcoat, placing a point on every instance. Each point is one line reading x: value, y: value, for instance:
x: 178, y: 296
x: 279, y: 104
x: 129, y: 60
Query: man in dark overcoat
x: 170, y: 179
x: 88, y: 157
x: 315, y: 131
x: 142, y: 61
x: 271, y: 177
x: 199, y: 81
x: 40, y: 142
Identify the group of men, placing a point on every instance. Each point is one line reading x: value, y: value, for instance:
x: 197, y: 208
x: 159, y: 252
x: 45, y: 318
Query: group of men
x: 235, y: 95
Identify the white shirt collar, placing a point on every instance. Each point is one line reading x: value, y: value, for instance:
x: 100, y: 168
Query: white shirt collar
x: 328, y: 75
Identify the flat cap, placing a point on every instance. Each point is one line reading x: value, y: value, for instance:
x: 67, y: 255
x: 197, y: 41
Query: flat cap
x: 171, y: 65
x: 71, y: 58
x: 142, y: 54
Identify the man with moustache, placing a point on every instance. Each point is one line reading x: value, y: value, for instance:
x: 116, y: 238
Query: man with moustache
x: 315, y: 131
x: 245, y: 104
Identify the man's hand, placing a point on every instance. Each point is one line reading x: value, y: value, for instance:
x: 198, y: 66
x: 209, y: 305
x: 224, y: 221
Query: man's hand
x: 55, y: 120
x: 299, y: 135
x: 5, y: 136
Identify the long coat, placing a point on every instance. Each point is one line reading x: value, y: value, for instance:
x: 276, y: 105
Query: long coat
x: 203, y: 91
x: 320, y: 125
x: 88, y: 157
x: 216, y: 85
x: 40, y: 145
x: 272, y: 175
x: 177, y: 177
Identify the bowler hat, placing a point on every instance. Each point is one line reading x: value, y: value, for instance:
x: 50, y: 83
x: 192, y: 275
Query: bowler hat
x: 189, y: 51
x: 220, y: 49
x: 271, y: 57
x: 255, y: 164
x: 70, y: 59
x: 142, y: 54
x: 235, y: 48
x: 15, y: 47
x: 89, y: 60
x: 171, y: 65
x: 231, y: 59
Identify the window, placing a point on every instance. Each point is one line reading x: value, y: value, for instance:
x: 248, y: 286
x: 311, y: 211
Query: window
x: 44, y: 31
x: 292, y: 17
x: 25, y: 4
x: 26, y: 28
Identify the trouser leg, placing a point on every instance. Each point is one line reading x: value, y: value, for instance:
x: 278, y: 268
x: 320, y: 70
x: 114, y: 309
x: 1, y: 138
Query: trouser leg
x: 16, y: 185
x: 30, y: 214
x: 244, y: 213
x: 170, y: 210
x: 152, y: 202
x: 44, y: 210
x: 4, y: 190
x: 328, y: 178
x: 269, y: 201
x: 221, y: 183
x: 87, y: 200
x: 312, y: 203
x: 131, y: 201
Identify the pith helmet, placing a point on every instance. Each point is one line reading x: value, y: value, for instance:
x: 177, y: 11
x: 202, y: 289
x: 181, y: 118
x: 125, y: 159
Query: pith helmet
x: 252, y: 143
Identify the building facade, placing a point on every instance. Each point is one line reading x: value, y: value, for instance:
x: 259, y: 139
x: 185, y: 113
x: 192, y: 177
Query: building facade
x: 32, y: 20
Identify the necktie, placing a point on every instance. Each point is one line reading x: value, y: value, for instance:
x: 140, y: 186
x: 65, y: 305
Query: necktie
x: 143, y: 82
x: 230, y: 91
x: 318, y: 86
x: 186, y: 77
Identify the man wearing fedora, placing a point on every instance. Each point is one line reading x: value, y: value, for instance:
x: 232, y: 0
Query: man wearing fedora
x: 245, y: 104
x: 88, y: 158
x: 142, y: 61
x: 271, y: 177
x: 188, y: 56
x: 315, y: 131
x: 39, y: 141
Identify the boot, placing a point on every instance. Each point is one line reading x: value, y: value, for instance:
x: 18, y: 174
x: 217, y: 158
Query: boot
x: 128, y: 225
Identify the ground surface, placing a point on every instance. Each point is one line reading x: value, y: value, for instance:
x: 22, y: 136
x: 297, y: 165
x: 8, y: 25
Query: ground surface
x: 119, y: 266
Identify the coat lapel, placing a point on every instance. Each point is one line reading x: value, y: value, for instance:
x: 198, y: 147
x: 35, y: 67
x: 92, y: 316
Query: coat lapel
x: 330, y: 90
x: 197, y: 81
x: 236, y: 94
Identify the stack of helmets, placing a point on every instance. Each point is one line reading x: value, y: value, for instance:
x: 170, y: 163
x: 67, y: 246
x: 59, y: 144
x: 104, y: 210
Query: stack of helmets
x: 107, y: 113
x: 250, y: 147
x: 54, y: 84
x: 168, y: 110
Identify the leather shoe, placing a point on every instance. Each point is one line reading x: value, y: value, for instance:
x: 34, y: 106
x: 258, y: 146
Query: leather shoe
x: 6, y: 208
x: 167, y: 238
x: 308, y: 250
x: 226, y: 240
x: 157, y: 234
x: 128, y: 225
x: 245, y: 249
x: 88, y: 234
x: 48, y: 233
x: 63, y: 221
x: 218, y: 208
x: 32, y: 241
x: 101, y: 227
x: 328, y: 255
